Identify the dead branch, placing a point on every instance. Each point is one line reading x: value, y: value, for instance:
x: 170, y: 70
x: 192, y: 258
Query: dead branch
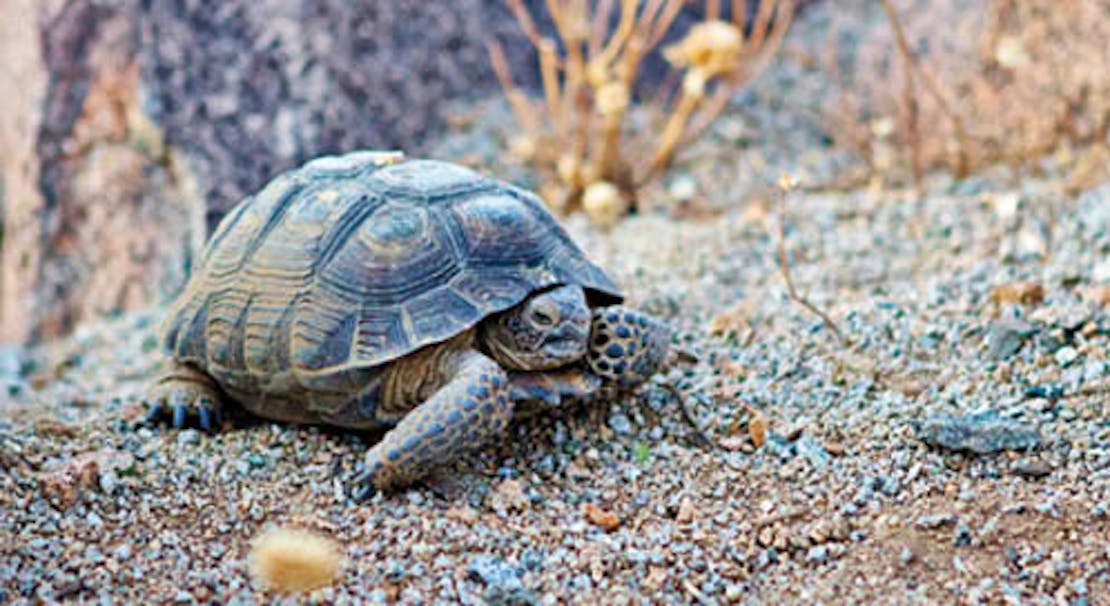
x: 963, y: 139
x: 518, y: 101
x: 912, y: 67
x: 588, y: 70
x: 524, y: 18
x: 909, y: 99
x: 786, y: 184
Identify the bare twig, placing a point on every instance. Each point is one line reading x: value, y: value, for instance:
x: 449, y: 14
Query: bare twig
x: 549, y: 75
x: 687, y: 414
x: 963, y: 139
x: 518, y: 102
x: 909, y: 99
x: 663, y: 22
x: 762, y: 20
x: 600, y: 27
x: 615, y: 45
x: 740, y: 13
x: 785, y: 185
x: 524, y: 18
x: 587, y: 67
x: 912, y: 68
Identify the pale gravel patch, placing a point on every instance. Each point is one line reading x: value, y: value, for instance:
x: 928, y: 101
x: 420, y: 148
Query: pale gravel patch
x: 787, y: 523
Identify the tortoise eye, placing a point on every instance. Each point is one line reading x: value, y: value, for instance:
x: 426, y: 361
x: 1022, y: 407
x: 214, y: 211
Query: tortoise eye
x: 544, y: 313
x: 542, y: 318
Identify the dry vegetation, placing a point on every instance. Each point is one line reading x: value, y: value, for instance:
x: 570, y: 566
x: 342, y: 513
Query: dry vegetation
x: 965, y: 85
x: 576, y: 136
x: 914, y: 87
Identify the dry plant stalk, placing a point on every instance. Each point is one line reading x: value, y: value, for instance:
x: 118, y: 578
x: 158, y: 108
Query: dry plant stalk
x: 574, y: 136
x: 786, y: 184
x: 908, y: 98
x: 996, y: 81
x: 914, y: 70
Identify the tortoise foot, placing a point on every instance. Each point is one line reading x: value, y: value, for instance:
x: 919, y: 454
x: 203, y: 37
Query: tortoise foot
x: 184, y: 397
x: 468, y: 412
x: 626, y: 346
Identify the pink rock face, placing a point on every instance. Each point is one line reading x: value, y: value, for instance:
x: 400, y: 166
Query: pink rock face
x: 20, y: 199
x: 100, y: 215
x: 103, y: 210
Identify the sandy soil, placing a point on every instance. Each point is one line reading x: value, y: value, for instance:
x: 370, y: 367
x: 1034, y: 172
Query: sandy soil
x: 839, y: 500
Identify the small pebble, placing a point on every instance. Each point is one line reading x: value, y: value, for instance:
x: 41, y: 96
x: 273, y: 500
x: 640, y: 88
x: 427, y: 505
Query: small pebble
x: 1066, y: 355
x: 982, y: 433
x: 1031, y: 468
x: 818, y: 554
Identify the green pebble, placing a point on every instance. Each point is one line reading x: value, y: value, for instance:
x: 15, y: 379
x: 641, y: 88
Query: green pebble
x: 150, y: 343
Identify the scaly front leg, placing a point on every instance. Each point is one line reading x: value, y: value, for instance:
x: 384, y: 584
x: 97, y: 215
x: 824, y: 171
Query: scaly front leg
x: 626, y: 346
x: 469, y: 411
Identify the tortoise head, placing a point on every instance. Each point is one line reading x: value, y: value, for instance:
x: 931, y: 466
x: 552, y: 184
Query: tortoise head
x: 549, y: 329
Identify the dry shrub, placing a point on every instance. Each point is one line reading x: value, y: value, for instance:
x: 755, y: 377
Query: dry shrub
x: 986, y: 82
x: 578, y: 137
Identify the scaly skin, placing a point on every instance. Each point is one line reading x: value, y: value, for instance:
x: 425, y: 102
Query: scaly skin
x: 470, y: 410
x: 626, y: 346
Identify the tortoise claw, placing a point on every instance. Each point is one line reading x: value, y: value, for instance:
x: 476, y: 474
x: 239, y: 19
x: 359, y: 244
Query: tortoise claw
x: 209, y: 414
x: 183, y: 398
x: 180, y: 411
x: 153, y: 414
x: 551, y: 387
x: 363, y: 484
x: 363, y: 491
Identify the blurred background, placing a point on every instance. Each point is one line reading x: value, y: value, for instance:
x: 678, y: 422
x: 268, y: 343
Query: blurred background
x: 129, y: 127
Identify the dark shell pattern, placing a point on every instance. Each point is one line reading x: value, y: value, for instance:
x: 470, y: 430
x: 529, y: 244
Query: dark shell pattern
x: 343, y: 265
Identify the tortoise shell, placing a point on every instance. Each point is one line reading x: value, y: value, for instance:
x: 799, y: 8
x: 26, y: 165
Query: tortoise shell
x: 345, y: 264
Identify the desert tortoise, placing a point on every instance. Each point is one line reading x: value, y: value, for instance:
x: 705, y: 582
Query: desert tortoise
x: 365, y: 291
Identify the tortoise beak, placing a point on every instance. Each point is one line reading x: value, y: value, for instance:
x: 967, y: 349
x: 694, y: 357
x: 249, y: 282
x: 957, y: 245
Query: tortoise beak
x: 569, y: 339
x: 571, y: 331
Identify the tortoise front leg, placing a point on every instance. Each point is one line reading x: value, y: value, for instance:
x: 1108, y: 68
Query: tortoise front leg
x: 473, y: 407
x: 181, y: 395
x: 626, y: 346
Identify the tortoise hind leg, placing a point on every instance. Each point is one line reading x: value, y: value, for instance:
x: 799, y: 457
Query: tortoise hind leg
x: 183, y: 395
x: 471, y: 409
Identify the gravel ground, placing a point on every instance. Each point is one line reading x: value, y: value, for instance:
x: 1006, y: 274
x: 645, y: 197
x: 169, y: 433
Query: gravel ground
x: 955, y: 448
x: 951, y: 445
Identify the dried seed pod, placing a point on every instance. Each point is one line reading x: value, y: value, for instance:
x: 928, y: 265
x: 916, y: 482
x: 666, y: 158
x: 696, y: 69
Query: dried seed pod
x: 597, y: 73
x: 604, y: 204
x: 568, y: 169
x: 294, y: 561
x: 612, y: 98
x: 523, y: 147
x: 711, y: 46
